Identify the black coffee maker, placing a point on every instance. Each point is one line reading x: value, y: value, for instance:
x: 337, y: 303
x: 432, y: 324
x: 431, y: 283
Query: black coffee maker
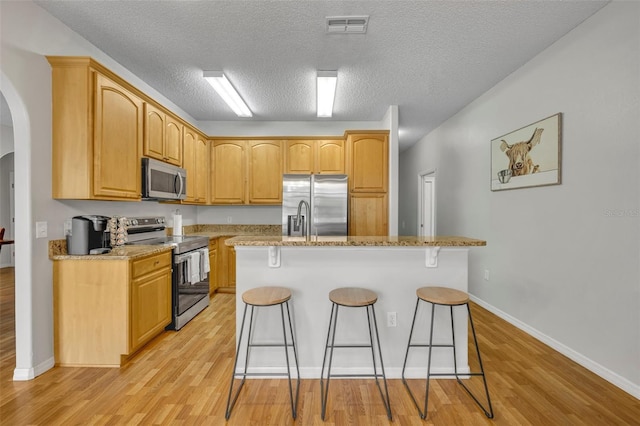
x: 89, y: 235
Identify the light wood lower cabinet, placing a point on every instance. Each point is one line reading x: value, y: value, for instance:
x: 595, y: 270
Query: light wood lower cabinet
x: 213, y: 265
x: 368, y: 214
x: 105, y: 310
x: 226, y: 267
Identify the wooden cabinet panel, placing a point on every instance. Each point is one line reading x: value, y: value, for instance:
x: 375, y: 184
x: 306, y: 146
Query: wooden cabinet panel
x: 104, y: 310
x: 154, y: 126
x: 265, y: 172
x: 330, y: 157
x: 173, y: 141
x: 231, y: 271
x: 162, y: 136
x: 150, y: 306
x: 314, y: 156
x: 189, y: 163
x: 226, y: 267
x: 227, y: 172
x: 300, y: 156
x: 118, y: 133
x: 196, y: 162
x: 213, y: 265
x: 368, y: 214
x: 368, y: 161
x: 202, y: 169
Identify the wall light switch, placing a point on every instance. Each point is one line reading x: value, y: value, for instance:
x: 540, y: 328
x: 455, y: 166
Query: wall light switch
x: 41, y: 229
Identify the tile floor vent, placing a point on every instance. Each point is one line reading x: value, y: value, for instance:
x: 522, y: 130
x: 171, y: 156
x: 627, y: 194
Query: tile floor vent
x: 347, y: 24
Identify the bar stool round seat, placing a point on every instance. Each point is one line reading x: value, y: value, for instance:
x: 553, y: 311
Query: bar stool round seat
x: 447, y: 297
x: 353, y: 297
x: 265, y: 297
x: 442, y: 296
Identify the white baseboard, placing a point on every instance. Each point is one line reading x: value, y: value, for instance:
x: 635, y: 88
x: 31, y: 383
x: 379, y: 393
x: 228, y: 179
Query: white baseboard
x: 614, y: 378
x: 22, y: 374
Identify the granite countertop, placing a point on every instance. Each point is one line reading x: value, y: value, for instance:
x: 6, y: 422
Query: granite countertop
x: 58, y: 248
x: 117, y: 253
x: 402, y: 241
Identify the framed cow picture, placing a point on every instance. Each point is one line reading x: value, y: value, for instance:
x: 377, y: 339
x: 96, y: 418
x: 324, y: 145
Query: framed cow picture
x: 529, y: 156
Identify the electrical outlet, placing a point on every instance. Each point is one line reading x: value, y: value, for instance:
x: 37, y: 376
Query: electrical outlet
x: 229, y: 219
x: 67, y: 227
x: 41, y: 229
x: 391, y: 319
x: 486, y: 275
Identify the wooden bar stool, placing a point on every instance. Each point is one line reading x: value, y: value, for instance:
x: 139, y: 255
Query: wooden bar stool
x: 264, y: 297
x: 444, y: 297
x: 353, y: 298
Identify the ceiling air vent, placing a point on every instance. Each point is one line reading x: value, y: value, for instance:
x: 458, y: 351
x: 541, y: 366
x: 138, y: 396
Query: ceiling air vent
x: 347, y: 24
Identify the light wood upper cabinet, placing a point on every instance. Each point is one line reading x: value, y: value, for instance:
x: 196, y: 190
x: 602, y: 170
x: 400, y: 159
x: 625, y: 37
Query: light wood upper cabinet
x: 265, y: 172
x: 314, y: 156
x: 330, y: 156
x: 173, y: 142
x: 189, y: 163
x: 202, y: 169
x: 196, y: 162
x: 228, y: 177
x: 368, y: 214
x: 368, y: 161
x: 154, y: 129
x: 97, y: 132
x: 162, y: 136
x: 368, y: 170
x: 246, y: 172
x: 300, y: 156
x: 117, y: 140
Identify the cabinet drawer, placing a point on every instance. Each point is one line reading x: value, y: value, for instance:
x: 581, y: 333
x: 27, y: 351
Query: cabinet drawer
x: 150, y: 264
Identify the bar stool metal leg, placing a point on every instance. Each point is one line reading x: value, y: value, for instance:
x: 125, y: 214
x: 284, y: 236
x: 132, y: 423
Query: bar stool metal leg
x: 231, y: 403
x: 295, y: 355
x: 386, y: 401
x: 430, y: 345
x: 329, y: 347
x: 489, y: 413
x: 231, y: 400
x: 324, y: 389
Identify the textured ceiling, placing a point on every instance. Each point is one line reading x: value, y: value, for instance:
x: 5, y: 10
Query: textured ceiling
x: 431, y: 58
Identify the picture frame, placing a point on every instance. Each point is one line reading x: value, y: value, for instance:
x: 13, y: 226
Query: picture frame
x: 529, y: 156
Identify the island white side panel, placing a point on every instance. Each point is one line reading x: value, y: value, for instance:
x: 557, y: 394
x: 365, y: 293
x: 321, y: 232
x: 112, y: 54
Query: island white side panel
x: 394, y: 273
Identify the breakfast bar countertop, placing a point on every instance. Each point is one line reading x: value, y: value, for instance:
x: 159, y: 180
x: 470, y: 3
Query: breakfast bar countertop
x: 342, y: 241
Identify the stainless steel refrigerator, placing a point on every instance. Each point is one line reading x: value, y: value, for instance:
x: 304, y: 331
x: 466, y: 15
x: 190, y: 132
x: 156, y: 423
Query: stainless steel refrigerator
x: 314, y: 205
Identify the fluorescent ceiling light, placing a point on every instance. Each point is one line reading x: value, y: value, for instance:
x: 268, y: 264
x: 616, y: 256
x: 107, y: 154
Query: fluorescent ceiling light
x: 326, y: 92
x: 219, y: 82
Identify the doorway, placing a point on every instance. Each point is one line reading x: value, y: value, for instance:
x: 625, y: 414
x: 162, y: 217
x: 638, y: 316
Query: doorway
x: 427, y: 204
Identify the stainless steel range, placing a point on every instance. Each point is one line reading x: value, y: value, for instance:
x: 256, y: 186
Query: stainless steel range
x: 190, y: 282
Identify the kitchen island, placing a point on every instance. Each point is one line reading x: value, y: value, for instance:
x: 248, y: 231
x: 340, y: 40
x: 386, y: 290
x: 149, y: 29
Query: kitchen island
x: 393, y: 267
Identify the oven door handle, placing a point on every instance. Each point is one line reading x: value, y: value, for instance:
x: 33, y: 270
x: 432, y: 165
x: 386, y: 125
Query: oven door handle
x: 181, y: 258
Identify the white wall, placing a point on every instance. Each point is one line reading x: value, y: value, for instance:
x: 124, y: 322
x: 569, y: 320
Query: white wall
x: 564, y: 259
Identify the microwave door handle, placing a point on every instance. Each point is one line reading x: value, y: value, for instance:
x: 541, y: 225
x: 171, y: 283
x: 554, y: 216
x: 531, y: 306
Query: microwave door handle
x: 179, y: 179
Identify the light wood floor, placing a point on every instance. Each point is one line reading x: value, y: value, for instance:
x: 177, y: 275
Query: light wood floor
x: 182, y: 378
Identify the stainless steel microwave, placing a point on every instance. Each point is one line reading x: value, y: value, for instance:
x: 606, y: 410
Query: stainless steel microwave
x: 163, y: 181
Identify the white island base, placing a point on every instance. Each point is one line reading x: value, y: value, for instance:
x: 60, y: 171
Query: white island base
x: 393, y: 272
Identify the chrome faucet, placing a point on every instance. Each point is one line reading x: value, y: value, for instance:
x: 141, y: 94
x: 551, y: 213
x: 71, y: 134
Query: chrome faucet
x: 298, y: 219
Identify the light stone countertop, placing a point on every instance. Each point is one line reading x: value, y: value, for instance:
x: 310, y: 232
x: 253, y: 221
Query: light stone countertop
x: 117, y: 253
x: 337, y: 241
